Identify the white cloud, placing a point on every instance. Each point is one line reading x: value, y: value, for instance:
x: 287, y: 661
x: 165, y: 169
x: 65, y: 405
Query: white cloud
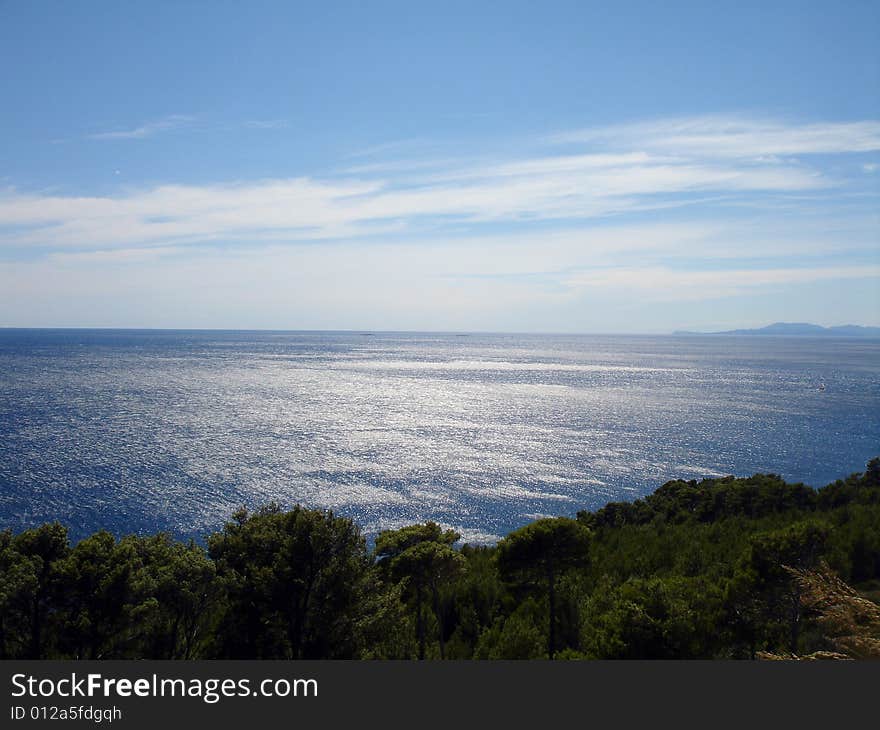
x: 666, y: 284
x: 421, y: 244
x: 117, y: 256
x: 625, y: 168
x: 573, y: 187
x: 167, y: 123
x: 630, y: 168
x: 551, y: 254
x: 732, y: 136
x: 266, y: 123
x: 393, y: 147
x: 348, y: 285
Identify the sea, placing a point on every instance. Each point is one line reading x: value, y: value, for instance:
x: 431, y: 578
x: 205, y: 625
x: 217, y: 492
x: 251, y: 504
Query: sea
x: 137, y: 431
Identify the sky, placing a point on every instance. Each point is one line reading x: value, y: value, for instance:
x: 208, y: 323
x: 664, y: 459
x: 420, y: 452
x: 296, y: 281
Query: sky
x: 458, y: 166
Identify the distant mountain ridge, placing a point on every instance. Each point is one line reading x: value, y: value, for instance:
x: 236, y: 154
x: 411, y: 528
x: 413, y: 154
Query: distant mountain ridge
x: 800, y: 329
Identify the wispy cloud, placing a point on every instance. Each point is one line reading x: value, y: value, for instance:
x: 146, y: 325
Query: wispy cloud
x: 661, y: 283
x: 673, y: 211
x: 406, y: 165
x: 266, y: 123
x: 148, y: 129
x: 732, y: 136
x: 395, y: 147
x: 115, y: 256
x: 388, y: 285
x: 304, y: 207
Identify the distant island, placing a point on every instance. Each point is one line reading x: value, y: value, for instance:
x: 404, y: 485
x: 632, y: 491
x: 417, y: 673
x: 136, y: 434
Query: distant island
x: 798, y: 329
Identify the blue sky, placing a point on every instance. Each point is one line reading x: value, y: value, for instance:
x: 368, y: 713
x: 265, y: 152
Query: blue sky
x: 562, y: 166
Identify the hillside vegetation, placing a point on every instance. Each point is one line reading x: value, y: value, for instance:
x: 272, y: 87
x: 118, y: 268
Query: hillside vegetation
x: 721, y: 568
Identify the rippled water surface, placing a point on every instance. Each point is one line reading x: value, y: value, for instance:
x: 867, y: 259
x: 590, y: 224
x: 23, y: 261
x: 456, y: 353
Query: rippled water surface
x: 141, y: 430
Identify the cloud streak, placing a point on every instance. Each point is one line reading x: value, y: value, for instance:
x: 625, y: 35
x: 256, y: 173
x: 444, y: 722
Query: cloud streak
x: 304, y: 208
x: 266, y: 124
x: 733, y: 137
x: 667, y: 284
x: 671, y: 164
x: 149, y: 129
x: 676, y: 211
x: 348, y: 285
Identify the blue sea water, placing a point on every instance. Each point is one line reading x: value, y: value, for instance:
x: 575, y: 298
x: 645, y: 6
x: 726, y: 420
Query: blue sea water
x: 142, y: 430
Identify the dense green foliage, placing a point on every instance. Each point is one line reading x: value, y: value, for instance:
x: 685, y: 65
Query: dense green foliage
x: 694, y: 570
x: 421, y: 557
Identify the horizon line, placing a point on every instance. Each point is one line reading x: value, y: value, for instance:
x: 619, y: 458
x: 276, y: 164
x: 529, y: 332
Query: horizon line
x: 672, y: 333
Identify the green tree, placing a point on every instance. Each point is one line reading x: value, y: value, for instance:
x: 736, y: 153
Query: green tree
x: 385, y: 627
x: 295, y: 583
x: 477, y: 600
x: 872, y: 472
x: 18, y: 584
x: 182, y: 596
x: 517, y: 636
x: 422, y: 555
x: 653, y: 618
x: 98, y: 598
x: 764, y: 584
x: 42, y: 548
x: 539, y: 554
